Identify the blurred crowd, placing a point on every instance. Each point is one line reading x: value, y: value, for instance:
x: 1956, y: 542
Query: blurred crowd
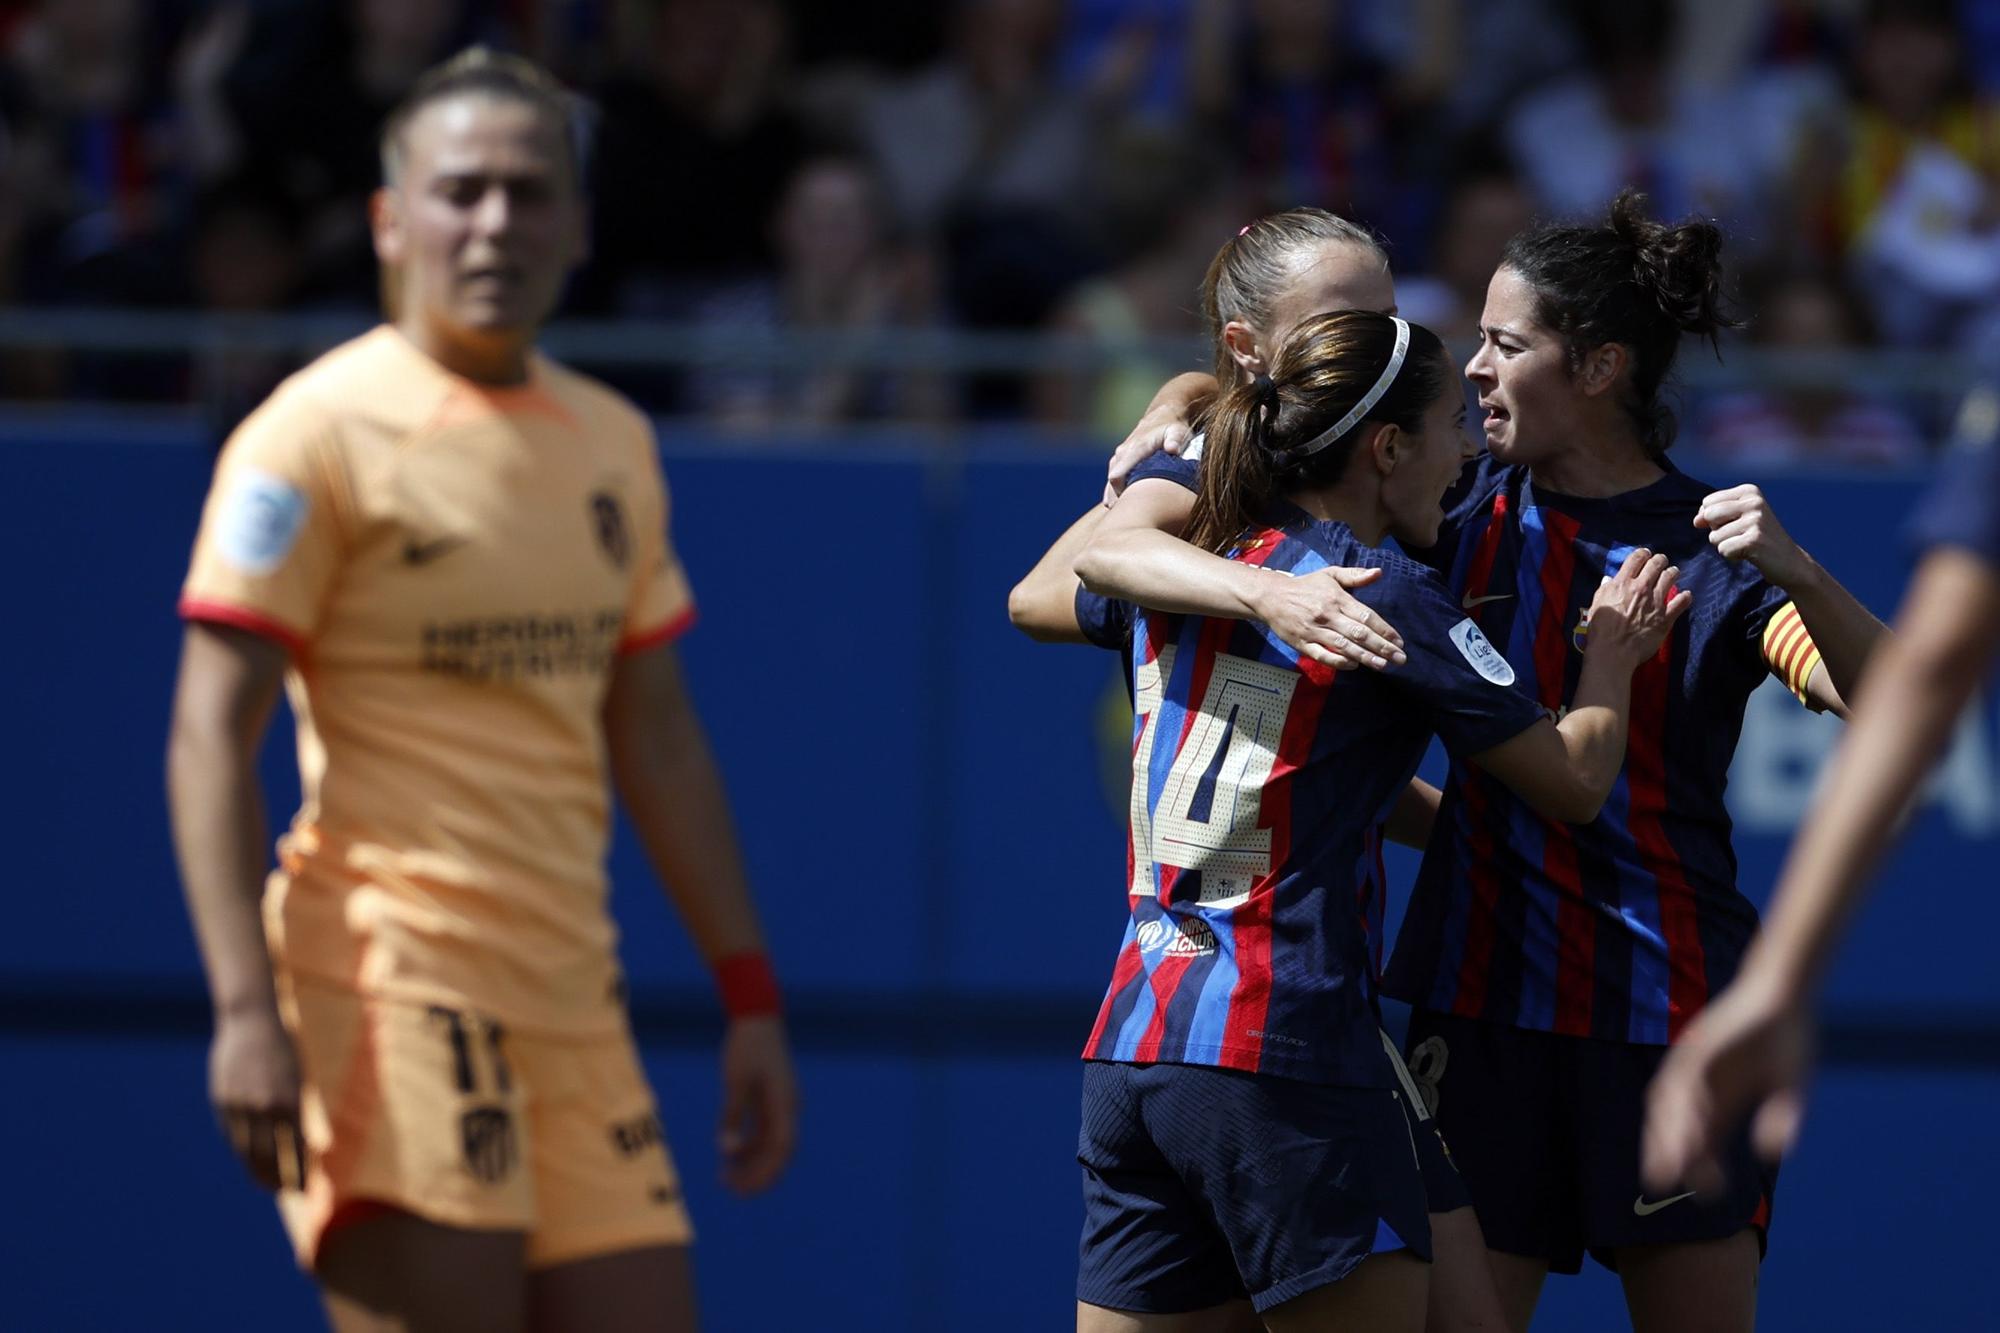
x: 1021, y: 165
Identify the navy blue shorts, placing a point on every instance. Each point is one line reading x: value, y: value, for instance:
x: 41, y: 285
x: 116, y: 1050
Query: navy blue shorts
x: 1205, y: 1185
x: 1444, y: 1188
x: 1545, y: 1130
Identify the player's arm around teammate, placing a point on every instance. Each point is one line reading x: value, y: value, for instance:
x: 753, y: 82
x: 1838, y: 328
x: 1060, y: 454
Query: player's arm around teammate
x: 1043, y: 604
x: 1261, y: 284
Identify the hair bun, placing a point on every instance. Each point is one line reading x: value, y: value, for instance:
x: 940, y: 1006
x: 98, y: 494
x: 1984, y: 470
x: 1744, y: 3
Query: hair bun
x: 1680, y: 265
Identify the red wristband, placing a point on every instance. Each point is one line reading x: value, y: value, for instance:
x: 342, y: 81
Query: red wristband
x: 749, y: 989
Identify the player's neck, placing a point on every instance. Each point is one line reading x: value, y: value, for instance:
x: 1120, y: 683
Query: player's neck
x: 484, y: 360
x: 1597, y: 469
x: 1364, y: 514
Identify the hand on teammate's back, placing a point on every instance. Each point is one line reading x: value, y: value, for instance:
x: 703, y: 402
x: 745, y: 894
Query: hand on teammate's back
x: 1747, y: 1054
x: 1741, y: 526
x: 253, y: 1083
x: 1316, y: 614
x: 1634, y: 609
x: 760, y: 1104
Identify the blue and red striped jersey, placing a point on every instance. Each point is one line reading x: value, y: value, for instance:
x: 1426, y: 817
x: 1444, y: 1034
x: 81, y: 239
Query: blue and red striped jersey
x: 1259, y: 786
x: 1623, y: 928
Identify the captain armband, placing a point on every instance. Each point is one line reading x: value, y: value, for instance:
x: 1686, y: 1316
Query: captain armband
x: 1790, y: 651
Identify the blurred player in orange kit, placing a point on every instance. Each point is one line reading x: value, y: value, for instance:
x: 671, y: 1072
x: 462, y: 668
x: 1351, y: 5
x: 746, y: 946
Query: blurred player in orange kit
x: 453, y: 553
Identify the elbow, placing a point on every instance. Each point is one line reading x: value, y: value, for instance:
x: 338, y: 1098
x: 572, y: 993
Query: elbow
x: 1577, y: 803
x: 1030, y: 614
x: 1095, y: 568
x: 1021, y: 608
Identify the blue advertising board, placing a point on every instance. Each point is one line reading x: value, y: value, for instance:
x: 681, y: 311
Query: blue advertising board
x: 931, y: 807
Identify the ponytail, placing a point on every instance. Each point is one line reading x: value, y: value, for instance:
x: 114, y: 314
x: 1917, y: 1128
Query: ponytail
x: 1297, y: 427
x: 1238, y: 477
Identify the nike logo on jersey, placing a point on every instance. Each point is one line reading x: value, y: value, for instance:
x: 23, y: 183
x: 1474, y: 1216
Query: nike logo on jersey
x: 1643, y: 1209
x: 422, y: 553
x: 1471, y: 601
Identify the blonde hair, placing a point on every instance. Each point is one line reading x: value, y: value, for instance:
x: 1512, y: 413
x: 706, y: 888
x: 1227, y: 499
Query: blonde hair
x: 482, y: 71
x: 1251, y: 271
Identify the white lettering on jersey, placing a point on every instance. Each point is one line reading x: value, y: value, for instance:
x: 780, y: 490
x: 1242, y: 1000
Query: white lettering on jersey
x: 1485, y: 658
x: 1148, y: 684
x: 258, y: 521
x: 1246, y: 702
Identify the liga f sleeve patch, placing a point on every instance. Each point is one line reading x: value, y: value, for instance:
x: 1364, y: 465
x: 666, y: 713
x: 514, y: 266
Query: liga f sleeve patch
x: 1480, y: 652
x: 259, y: 521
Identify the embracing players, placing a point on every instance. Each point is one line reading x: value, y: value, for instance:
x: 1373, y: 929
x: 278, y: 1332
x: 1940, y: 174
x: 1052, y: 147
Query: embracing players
x: 1245, y: 1134
x: 1550, y: 967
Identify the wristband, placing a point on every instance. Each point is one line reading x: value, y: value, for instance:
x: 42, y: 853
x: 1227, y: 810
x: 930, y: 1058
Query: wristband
x: 748, y: 987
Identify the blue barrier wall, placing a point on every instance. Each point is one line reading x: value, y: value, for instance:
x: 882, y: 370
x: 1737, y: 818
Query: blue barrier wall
x: 931, y: 813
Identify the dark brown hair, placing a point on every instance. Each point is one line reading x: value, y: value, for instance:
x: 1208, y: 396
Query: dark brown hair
x: 1253, y: 268
x: 1252, y: 453
x: 1627, y: 280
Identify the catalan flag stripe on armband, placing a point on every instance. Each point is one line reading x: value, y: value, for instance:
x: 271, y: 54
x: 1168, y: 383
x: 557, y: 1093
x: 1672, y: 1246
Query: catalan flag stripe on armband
x: 1790, y: 649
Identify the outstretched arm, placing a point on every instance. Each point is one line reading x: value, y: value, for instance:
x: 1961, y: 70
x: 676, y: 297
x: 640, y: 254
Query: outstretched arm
x: 1043, y: 604
x: 1136, y: 554
x: 1748, y: 1053
x: 668, y: 780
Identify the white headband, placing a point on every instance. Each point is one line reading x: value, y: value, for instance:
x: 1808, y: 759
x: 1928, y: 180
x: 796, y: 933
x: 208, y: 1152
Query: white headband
x: 1361, y: 409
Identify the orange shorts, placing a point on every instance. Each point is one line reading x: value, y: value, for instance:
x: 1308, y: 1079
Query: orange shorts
x: 443, y: 1114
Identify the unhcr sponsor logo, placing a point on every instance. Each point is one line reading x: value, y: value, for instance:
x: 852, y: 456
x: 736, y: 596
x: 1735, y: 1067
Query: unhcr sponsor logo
x: 1177, y: 936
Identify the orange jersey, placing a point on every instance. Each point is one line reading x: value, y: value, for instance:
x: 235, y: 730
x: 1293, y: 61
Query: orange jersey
x: 455, y: 567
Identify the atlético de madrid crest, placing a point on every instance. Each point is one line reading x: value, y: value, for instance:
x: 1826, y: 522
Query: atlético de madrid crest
x: 607, y: 519
x: 487, y: 1134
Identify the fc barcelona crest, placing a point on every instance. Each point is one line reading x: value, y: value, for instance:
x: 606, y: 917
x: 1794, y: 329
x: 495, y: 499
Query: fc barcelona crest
x: 607, y: 519
x: 487, y: 1133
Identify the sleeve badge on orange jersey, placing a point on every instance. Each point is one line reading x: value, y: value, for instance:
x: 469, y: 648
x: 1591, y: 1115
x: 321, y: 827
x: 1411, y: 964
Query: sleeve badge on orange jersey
x: 259, y: 521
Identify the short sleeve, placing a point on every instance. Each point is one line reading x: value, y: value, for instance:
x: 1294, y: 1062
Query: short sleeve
x: 1962, y: 508
x: 1181, y: 469
x: 1463, y: 682
x: 272, y: 537
x: 1759, y: 606
x: 661, y: 604
x: 1105, y: 621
